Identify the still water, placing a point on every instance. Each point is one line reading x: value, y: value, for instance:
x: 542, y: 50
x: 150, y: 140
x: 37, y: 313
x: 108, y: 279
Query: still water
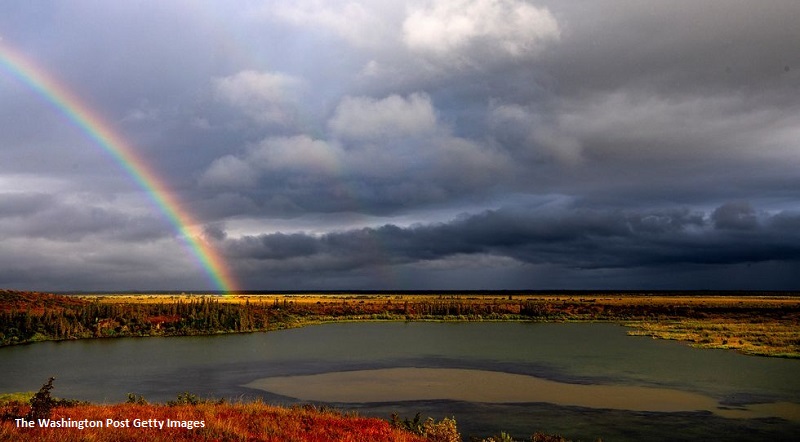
x: 584, y: 381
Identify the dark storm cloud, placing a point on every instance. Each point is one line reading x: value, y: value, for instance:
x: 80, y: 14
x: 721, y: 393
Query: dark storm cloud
x: 575, y: 238
x: 738, y: 216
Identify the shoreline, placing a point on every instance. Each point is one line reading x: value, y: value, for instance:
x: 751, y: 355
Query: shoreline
x: 753, y: 325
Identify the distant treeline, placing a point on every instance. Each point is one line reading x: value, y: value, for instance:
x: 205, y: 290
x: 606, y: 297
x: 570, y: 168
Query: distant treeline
x: 61, y: 318
x: 427, y: 293
x: 30, y: 317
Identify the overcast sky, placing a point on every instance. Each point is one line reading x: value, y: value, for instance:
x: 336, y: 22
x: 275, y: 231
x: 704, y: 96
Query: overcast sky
x: 445, y: 144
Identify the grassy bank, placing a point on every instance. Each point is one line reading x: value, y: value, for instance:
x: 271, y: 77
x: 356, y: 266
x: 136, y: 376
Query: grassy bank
x: 760, y: 337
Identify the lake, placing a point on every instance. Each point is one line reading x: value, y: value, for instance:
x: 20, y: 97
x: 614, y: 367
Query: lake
x: 580, y: 380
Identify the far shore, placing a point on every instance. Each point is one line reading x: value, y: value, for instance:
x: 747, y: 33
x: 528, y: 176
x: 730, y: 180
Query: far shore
x: 762, y: 324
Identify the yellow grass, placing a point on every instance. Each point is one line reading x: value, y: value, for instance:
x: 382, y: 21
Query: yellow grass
x: 768, y: 338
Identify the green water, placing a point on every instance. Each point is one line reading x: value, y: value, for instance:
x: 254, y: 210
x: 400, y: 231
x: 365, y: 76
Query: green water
x: 160, y: 368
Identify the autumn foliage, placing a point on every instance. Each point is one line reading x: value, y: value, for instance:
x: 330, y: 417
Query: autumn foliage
x: 755, y: 323
x: 222, y: 422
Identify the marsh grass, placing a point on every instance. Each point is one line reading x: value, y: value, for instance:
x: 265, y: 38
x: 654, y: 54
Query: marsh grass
x: 16, y: 397
x: 763, y: 338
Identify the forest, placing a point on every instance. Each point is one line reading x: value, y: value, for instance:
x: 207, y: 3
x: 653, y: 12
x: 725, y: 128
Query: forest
x: 30, y: 317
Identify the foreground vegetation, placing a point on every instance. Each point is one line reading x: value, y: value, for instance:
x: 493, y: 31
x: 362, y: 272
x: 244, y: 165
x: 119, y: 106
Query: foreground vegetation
x: 759, y: 325
x: 204, y: 420
x: 235, y: 422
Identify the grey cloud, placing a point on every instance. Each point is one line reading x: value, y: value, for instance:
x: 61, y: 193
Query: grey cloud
x: 601, y: 113
x: 533, y: 136
x: 276, y: 246
x: 639, y: 146
x: 214, y: 231
x: 383, y: 155
x: 297, y: 154
x: 268, y: 98
x: 20, y: 204
x: 229, y: 171
x: 47, y: 217
x: 570, y: 239
x: 698, y: 47
x: 451, y: 29
x: 97, y: 264
x: 393, y: 116
x: 786, y: 220
x: 737, y: 216
x: 362, y: 24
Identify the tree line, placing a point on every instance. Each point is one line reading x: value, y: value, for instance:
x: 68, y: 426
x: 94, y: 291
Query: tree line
x: 31, y: 317
x: 96, y: 319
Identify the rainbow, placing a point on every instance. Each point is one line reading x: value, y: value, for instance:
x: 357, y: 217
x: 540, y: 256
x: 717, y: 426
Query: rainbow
x: 104, y: 136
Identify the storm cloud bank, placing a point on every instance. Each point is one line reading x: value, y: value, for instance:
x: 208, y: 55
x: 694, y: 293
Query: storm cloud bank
x: 574, y: 239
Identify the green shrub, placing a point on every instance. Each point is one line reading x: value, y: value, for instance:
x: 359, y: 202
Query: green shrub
x: 502, y: 437
x: 136, y: 399
x: 442, y: 431
x: 42, y: 403
x: 186, y: 398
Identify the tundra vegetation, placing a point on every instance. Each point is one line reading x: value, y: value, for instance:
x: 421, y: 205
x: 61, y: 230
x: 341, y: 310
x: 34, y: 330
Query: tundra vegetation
x: 221, y: 420
x: 766, y: 324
